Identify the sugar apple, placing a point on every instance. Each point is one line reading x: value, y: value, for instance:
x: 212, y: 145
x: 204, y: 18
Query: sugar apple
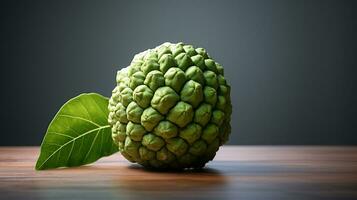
x: 171, y: 108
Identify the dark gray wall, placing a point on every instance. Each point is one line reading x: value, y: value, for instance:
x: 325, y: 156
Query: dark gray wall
x: 291, y: 64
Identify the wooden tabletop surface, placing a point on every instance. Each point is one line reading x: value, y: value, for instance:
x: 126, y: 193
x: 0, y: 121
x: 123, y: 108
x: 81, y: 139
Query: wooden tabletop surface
x: 244, y: 172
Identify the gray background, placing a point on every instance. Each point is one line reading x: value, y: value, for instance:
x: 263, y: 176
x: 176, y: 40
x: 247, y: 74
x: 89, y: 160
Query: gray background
x: 291, y: 64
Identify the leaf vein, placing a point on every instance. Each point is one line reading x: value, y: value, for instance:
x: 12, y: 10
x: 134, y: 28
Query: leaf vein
x: 100, y: 108
x: 61, y: 134
x: 80, y: 118
x: 91, y: 146
x: 84, y: 134
x: 70, y: 152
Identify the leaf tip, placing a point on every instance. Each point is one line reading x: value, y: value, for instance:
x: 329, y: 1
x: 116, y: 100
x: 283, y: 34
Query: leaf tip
x: 38, y: 166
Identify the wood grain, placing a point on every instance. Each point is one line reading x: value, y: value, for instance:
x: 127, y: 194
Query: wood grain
x: 246, y: 172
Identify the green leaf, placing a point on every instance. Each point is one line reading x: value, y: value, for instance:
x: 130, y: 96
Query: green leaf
x: 79, y: 134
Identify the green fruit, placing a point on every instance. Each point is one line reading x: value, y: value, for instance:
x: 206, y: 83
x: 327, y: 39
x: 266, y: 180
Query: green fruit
x: 171, y: 108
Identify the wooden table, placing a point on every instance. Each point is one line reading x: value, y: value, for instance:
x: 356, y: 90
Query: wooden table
x: 245, y: 172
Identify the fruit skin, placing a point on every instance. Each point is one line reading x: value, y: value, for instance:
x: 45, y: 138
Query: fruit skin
x: 171, y: 108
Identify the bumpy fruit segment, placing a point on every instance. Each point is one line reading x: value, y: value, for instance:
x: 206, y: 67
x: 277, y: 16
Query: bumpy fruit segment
x: 171, y: 108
